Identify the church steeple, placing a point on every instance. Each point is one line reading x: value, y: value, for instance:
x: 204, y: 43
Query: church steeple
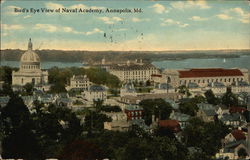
x: 30, y: 45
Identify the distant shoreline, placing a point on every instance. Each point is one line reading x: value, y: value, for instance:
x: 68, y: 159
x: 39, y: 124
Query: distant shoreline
x: 114, y: 56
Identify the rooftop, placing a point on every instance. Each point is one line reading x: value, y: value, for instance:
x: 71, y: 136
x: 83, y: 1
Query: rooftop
x: 133, y: 66
x: 96, y: 88
x: 209, y: 72
x: 238, y: 134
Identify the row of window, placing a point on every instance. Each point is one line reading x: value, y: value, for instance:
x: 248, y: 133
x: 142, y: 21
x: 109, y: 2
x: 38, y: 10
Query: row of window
x: 82, y: 81
x: 136, y: 118
x: 80, y: 85
x: 30, y: 67
x: 138, y: 72
x: 211, y: 80
x: 136, y: 113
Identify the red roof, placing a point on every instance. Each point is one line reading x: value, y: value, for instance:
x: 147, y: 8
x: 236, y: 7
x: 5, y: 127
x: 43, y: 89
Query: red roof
x: 209, y: 72
x: 237, y: 109
x: 171, y: 124
x: 238, y: 134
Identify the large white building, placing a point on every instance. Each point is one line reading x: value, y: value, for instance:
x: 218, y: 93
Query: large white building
x: 79, y: 82
x: 203, y: 77
x: 136, y: 71
x: 29, y: 70
x: 94, y: 93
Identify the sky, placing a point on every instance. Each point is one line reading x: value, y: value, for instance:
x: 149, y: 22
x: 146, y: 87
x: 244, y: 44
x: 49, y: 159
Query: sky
x: 161, y: 26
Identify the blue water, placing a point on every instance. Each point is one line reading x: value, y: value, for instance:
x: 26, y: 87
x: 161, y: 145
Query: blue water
x: 241, y: 62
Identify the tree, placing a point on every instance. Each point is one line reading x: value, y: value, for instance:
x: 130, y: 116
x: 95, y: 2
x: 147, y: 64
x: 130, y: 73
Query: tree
x: 94, y: 121
x: 184, y: 90
x: 207, y: 135
x: 229, y: 99
x: 28, y: 87
x: 158, y: 107
x: 246, y: 114
x: 148, y: 83
x: 98, y: 104
x: 242, y: 153
x: 19, y: 139
x: 189, y: 108
x: 58, y: 88
x: 81, y: 150
x: 199, y: 99
x: 211, y: 99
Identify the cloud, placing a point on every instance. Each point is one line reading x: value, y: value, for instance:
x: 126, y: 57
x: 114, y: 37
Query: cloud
x: 52, y: 5
x: 238, y: 10
x: 244, y: 20
x: 121, y: 29
x: 158, y: 8
x: 68, y: 29
x: 4, y: 34
x: 11, y: 26
x: 243, y: 16
x: 110, y: 20
x: 224, y: 16
x: 198, y: 18
x: 52, y: 28
x: 167, y: 22
x: 28, y: 16
x: 78, y: 6
x: 235, y: 13
x: 95, y: 30
x: 10, y: 10
x: 201, y: 4
x: 135, y: 19
x: 46, y: 27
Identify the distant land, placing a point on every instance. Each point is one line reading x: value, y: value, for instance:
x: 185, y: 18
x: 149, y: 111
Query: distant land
x: 118, y: 56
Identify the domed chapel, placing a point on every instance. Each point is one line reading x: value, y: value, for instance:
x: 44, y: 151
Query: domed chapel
x: 29, y: 70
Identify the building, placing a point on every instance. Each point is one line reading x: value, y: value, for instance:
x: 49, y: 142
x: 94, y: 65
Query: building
x: 172, y: 125
x: 119, y: 122
x: 206, y: 112
x: 234, y: 119
x: 218, y: 88
x: 163, y: 88
x: 80, y: 82
x: 133, y: 112
x: 234, y: 142
x: 94, y: 93
x: 205, y: 76
x: 128, y: 89
x: 29, y: 70
x: 136, y: 71
x: 137, y: 99
x: 235, y: 135
x: 181, y: 118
